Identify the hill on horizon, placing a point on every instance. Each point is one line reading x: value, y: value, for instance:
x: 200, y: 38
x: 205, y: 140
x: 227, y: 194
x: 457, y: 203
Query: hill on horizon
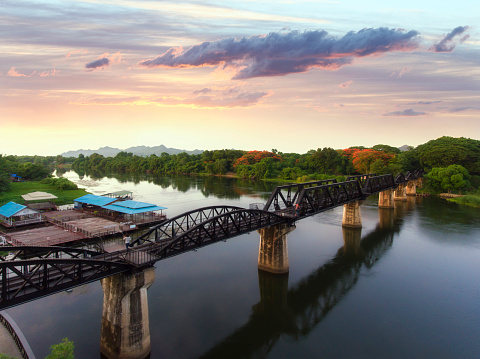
x: 136, y: 150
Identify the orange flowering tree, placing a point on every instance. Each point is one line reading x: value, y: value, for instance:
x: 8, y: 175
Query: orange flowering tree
x: 252, y: 157
x: 363, y: 159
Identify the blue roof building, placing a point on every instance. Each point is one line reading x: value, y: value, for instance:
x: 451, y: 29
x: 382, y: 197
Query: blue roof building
x: 133, y: 207
x: 13, y: 214
x: 92, y: 200
x: 136, y: 212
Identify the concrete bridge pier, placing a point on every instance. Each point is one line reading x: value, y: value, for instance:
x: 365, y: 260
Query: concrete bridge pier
x: 273, y: 251
x: 385, y: 199
x: 352, y: 215
x: 411, y: 188
x: 125, y: 331
x: 419, y: 182
x: 400, y: 193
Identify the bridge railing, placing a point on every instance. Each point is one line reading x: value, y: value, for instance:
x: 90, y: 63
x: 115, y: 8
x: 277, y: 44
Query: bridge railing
x: 17, y: 336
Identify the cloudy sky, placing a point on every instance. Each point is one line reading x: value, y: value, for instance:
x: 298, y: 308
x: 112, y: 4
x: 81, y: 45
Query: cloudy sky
x: 290, y: 75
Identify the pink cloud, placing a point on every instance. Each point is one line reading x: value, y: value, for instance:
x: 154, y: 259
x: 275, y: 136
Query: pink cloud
x: 214, y: 99
x: 74, y: 52
x: 401, y: 72
x: 345, y: 84
x: 13, y: 73
x: 48, y: 73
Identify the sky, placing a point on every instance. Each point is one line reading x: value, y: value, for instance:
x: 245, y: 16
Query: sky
x: 251, y: 75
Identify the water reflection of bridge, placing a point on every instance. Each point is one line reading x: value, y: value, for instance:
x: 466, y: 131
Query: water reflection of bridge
x: 296, y: 312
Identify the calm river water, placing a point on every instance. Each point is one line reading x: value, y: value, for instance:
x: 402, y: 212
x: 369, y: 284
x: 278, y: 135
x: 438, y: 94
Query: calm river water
x: 408, y: 289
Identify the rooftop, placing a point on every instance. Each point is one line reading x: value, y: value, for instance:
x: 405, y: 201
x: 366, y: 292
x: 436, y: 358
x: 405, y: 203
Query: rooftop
x: 133, y: 207
x: 95, y: 200
x: 38, y: 196
x: 10, y: 209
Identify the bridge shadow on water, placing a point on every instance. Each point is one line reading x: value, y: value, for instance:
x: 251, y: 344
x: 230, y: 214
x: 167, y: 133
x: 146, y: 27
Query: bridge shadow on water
x: 296, y: 312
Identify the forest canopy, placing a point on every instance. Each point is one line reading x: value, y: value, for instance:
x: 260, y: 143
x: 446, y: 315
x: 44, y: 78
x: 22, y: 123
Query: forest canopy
x: 326, y: 162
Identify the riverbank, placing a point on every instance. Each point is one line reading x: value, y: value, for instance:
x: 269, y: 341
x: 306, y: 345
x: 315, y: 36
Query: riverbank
x: 470, y: 200
x: 17, y: 189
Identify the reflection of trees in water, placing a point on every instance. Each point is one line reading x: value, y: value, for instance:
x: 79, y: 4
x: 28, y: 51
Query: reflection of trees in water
x: 298, y: 311
x: 60, y: 171
x: 460, y: 218
x: 215, y: 186
x: 234, y: 188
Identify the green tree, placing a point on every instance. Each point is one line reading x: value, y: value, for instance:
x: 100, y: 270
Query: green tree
x: 453, y: 177
x: 379, y: 167
x: 386, y: 148
x: 446, y: 151
x: 63, y: 350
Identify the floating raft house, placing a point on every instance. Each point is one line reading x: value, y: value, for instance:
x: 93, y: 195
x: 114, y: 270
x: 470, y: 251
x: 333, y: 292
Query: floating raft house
x: 42, y: 201
x: 137, y: 211
x: 125, y: 211
x: 13, y: 214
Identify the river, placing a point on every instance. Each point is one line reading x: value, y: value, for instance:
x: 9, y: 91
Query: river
x: 408, y: 288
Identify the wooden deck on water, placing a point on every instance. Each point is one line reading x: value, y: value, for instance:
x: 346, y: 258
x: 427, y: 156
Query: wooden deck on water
x: 65, y: 216
x: 96, y: 227
x: 45, y: 236
x: 68, y: 226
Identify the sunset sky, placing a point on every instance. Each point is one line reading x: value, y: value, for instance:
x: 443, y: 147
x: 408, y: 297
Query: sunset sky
x: 289, y: 75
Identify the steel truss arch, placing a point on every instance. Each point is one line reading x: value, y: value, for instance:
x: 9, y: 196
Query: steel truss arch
x: 217, y: 229
x: 182, y: 223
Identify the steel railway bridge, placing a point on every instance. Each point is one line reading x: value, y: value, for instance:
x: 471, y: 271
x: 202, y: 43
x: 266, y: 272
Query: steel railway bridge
x: 28, y: 273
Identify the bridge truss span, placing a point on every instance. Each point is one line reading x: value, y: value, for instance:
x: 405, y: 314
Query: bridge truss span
x: 215, y: 229
x: 286, y: 196
x: 25, y: 280
x: 375, y: 184
x: 182, y: 223
x: 19, y: 253
x: 314, y: 200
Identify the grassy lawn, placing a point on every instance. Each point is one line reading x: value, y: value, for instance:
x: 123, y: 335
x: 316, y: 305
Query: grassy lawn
x: 19, y: 188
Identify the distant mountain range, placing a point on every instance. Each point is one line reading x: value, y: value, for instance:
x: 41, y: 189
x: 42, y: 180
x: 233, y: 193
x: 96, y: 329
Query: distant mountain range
x: 137, y: 150
x: 405, y: 148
